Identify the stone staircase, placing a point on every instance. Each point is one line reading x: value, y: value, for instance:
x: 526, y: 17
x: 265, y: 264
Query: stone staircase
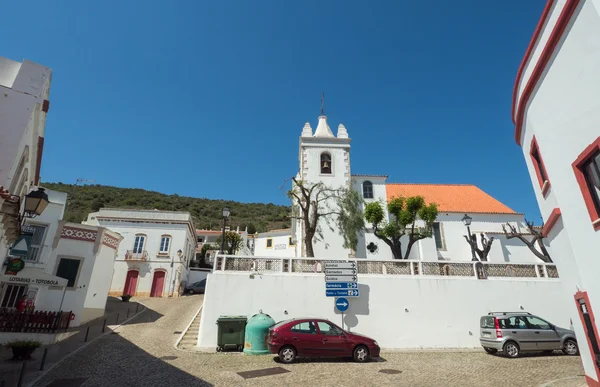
x: 190, y: 338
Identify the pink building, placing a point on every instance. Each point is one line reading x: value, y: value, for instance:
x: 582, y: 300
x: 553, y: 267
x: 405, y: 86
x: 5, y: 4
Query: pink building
x: 556, y: 110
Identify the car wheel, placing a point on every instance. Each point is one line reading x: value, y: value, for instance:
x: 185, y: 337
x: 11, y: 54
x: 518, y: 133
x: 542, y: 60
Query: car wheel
x: 361, y: 354
x: 191, y: 291
x: 571, y: 348
x: 511, y: 349
x: 491, y: 351
x: 287, y: 354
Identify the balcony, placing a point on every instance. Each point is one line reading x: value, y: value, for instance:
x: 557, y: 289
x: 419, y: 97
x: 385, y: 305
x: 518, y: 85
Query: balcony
x: 137, y: 256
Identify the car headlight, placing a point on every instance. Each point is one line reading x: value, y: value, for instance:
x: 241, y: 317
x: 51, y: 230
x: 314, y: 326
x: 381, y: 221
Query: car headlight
x: 376, y: 344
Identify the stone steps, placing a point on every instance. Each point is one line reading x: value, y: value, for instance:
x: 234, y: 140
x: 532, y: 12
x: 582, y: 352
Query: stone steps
x: 190, y: 337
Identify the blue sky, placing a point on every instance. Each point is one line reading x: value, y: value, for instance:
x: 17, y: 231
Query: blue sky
x: 208, y: 99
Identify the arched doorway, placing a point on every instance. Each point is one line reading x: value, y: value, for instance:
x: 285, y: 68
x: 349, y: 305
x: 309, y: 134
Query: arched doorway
x: 131, y: 282
x: 158, y: 284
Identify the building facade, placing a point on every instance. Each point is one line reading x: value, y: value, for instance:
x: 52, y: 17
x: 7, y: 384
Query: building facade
x: 325, y: 159
x: 67, y: 268
x: 24, y: 103
x: 154, y: 256
x: 556, y: 110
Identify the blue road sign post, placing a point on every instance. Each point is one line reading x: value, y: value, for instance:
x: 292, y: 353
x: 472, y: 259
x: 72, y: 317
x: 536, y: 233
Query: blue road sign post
x: 342, y: 304
x: 341, y: 279
x: 341, y: 285
x: 342, y: 293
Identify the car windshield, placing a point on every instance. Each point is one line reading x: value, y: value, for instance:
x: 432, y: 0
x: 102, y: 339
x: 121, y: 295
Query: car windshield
x: 279, y: 324
x: 487, y: 322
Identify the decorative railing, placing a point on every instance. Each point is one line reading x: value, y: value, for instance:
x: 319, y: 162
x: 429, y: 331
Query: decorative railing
x: 136, y: 256
x: 39, y: 321
x: 389, y: 268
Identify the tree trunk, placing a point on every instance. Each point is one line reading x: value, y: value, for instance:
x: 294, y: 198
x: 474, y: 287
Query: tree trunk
x: 409, y: 246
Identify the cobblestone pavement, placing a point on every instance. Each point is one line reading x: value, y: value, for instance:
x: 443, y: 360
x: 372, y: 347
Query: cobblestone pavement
x: 142, y: 354
x: 116, y: 312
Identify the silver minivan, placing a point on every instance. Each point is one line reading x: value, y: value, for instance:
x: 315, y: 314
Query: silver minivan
x: 515, y: 332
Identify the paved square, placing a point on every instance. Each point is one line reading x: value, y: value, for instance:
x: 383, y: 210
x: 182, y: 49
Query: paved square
x: 133, y: 358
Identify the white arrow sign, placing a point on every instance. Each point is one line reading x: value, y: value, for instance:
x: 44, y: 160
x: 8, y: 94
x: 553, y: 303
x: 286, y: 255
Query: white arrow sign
x: 340, y: 278
x: 344, y: 265
x: 340, y: 271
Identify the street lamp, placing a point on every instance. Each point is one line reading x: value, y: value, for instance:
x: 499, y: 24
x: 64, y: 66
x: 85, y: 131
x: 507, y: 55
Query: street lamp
x: 467, y: 221
x: 35, y: 203
x: 225, y: 216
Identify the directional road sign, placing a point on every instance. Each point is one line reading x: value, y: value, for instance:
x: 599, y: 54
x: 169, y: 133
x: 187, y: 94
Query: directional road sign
x: 341, y: 293
x: 340, y: 271
x: 341, y: 285
x: 343, y: 265
x: 340, y: 278
x: 342, y: 304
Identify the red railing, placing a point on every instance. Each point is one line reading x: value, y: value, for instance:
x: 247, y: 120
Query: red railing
x: 44, y: 322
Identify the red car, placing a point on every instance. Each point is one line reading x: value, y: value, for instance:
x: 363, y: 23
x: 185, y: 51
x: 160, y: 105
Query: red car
x: 313, y: 337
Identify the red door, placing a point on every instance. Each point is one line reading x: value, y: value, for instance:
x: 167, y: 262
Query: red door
x: 131, y: 282
x: 157, y: 284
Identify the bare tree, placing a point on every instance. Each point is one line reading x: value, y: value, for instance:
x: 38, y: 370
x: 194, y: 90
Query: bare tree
x: 486, y: 245
x: 311, y: 202
x: 535, y: 244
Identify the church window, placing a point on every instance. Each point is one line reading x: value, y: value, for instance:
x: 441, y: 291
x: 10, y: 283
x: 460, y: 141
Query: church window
x: 438, y: 236
x: 368, y: 190
x: 325, y: 163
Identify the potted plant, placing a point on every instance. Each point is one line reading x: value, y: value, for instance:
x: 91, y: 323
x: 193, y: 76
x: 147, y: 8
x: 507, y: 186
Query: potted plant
x: 22, y: 349
x: 125, y: 297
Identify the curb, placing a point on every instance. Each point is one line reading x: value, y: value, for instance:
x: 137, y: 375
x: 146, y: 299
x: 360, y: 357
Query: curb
x: 176, y: 345
x: 110, y: 331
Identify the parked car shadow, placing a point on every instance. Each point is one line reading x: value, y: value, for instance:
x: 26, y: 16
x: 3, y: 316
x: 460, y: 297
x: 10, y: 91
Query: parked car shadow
x: 305, y: 360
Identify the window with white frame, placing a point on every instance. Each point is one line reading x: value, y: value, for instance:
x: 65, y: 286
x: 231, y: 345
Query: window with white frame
x: 165, y: 244
x: 68, y: 268
x: 368, y: 190
x: 138, y: 245
x: 37, y: 241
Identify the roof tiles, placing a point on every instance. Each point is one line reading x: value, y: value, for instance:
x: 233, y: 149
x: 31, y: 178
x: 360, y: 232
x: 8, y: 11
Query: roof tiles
x: 451, y: 197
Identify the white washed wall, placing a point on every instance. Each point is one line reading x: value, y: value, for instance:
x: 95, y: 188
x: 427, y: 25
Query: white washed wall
x: 281, y: 246
x: 181, y: 239
x: 564, y: 116
x: 398, y: 312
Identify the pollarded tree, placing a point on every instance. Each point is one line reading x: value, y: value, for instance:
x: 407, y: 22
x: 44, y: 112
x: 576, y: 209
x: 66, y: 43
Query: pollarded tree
x: 404, y: 214
x: 534, y: 243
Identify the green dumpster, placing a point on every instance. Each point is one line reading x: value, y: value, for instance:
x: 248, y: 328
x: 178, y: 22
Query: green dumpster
x: 231, y: 332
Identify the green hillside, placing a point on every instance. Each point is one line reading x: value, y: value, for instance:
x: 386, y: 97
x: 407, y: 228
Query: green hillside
x: 206, y: 212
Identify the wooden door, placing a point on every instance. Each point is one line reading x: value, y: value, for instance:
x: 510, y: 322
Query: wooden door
x: 158, y: 283
x: 131, y: 282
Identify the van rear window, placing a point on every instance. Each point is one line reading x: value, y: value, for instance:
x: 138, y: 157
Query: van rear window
x: 487, y: 322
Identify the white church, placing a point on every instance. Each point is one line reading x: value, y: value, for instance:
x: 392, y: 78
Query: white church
x: 325, y: 157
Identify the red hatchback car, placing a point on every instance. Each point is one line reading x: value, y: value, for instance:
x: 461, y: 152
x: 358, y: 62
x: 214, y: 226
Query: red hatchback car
x: 312, y: 337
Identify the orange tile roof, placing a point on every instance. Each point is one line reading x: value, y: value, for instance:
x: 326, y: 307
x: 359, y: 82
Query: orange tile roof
x: 451, y: 197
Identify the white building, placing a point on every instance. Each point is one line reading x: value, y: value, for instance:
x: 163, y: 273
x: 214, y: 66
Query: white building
x: 325, y: 158
x: 154, y: 256
x: 68, y: 266
x: 278, y: 243
x: 24, y: 94
x: 556, y: 110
